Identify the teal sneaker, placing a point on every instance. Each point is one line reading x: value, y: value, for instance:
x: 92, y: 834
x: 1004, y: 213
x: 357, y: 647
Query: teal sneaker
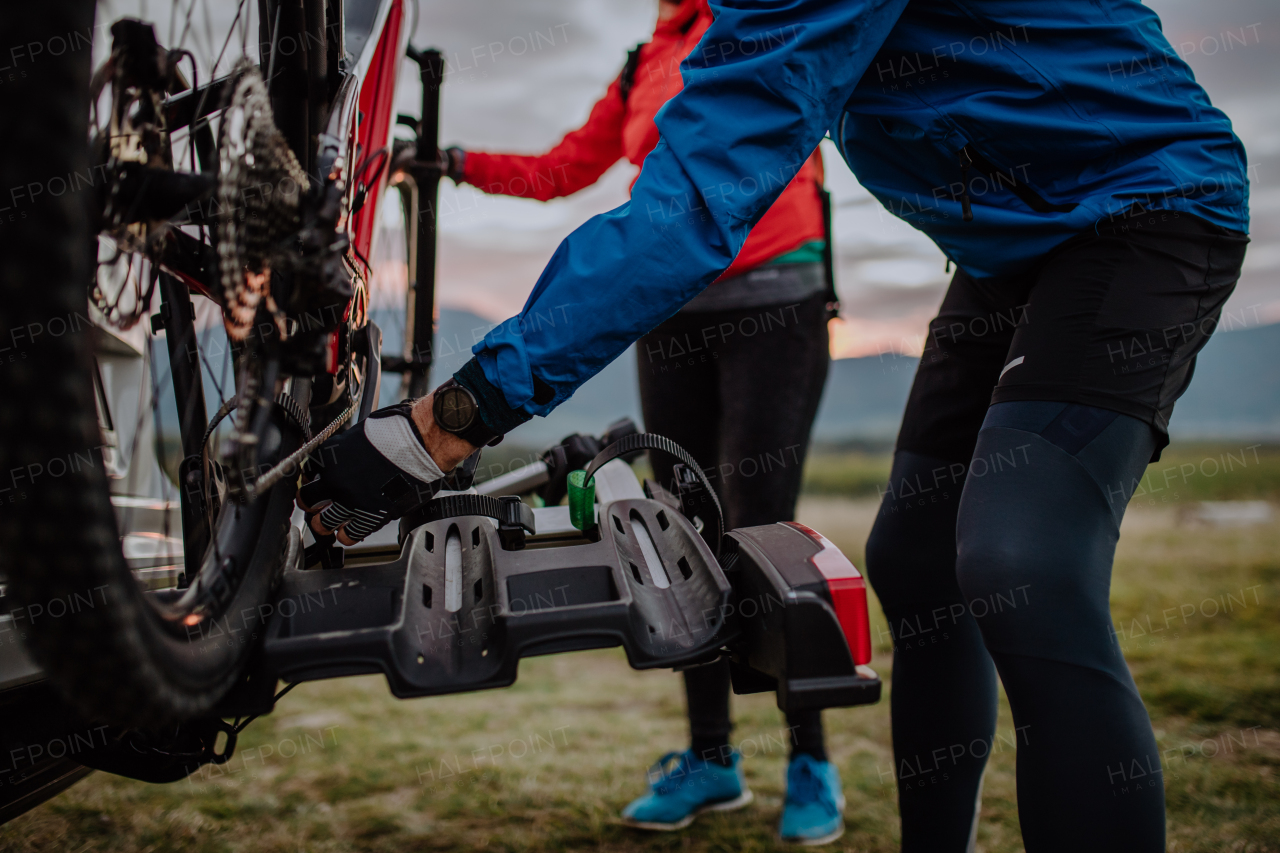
x: 814, y: 810
x: 683, y: 786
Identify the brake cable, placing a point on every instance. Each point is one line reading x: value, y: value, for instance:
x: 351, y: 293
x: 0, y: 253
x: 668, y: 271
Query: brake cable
x: 292, y: 461
x: 238, y: 726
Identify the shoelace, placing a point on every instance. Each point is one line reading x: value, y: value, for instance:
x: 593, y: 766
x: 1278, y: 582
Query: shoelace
x: 664, y: 780
x: 804, y: 785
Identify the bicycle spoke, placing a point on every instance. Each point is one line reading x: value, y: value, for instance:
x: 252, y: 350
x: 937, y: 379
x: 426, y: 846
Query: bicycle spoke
x: 234, y: 250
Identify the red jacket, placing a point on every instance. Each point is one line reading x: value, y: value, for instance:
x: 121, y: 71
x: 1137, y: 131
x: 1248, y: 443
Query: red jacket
x: 618, y: 129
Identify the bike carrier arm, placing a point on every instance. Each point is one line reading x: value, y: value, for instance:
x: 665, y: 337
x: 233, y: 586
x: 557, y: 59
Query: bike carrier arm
x: 471, y: 594
x: 420, y: 196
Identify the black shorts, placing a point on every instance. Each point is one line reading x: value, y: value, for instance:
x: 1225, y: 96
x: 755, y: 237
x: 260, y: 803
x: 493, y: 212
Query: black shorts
x: 1113, y: 318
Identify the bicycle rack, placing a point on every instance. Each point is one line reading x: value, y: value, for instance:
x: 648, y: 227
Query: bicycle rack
x: 455, y: 612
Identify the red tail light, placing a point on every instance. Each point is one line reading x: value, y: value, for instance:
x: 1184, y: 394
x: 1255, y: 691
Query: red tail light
x: 848, y: 593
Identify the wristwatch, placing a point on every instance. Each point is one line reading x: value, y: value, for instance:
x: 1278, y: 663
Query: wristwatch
x: 456, y: 411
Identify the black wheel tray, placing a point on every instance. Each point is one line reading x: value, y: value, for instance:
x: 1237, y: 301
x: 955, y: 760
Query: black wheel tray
x: 455, y: 612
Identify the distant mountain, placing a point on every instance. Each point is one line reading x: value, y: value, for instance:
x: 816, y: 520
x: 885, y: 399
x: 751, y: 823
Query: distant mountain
x: 1235, y: 393
x: 611, y: 394
x: 1236, y: 389
x: 864, y: 398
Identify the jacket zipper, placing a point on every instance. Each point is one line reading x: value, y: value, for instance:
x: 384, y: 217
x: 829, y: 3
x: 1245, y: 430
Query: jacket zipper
x: 969, y: 158
x: 966, y: 160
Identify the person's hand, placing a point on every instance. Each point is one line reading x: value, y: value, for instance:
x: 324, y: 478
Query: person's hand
x: 391, y: 463
x: 452, y: 162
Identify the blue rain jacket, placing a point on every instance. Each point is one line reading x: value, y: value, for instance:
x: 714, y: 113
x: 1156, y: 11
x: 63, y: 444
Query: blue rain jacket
x: 1043, y: 115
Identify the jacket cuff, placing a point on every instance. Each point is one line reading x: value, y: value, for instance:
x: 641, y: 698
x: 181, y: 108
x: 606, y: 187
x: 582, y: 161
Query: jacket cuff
x: 494, y: 411
x: 457, y: 163
x: 472, y: 168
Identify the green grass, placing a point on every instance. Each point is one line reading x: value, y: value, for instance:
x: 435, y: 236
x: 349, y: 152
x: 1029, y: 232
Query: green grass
x: 546, y: 764
x: 853, y: 473
x: 1209, y: 472
x: 1186, y: 472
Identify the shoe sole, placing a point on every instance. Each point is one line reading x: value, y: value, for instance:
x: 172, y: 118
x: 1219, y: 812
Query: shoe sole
x: 825, y: 839
x: 815, y: 842
x: 724, y: 806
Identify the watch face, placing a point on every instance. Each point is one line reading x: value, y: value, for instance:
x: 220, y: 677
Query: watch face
x: 455, y: 410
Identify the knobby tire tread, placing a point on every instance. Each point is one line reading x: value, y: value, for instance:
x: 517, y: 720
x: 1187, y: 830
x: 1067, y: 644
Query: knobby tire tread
x: 58, y: 534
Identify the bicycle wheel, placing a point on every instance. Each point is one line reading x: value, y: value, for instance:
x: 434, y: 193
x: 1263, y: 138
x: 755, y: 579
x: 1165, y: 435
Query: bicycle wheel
x: 117, y: 650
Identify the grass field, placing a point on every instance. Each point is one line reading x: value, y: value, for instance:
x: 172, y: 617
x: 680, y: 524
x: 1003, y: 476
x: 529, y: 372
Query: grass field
x: 1186, y: 472
x: 547, y: 764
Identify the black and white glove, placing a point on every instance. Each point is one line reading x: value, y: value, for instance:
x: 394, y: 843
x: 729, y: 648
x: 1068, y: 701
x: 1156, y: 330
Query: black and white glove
x: 369, y: 475
x: 452, y: 162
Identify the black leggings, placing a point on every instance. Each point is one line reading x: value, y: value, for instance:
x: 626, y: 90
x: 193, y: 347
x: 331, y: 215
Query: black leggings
x: 739, y: 390
x: 992, y: 550
x: 1017, y: 571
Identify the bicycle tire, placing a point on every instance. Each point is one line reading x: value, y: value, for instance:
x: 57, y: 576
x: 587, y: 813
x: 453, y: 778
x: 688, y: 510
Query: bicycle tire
x: 98, y: 637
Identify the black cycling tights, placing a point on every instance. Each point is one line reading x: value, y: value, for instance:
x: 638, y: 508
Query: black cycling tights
x: 743, y: 406
x: 706, y: 689
x: 1008, y: 560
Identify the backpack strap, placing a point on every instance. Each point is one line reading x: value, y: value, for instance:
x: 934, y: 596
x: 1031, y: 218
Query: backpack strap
x: 828, y: 256
x: 628, y: 76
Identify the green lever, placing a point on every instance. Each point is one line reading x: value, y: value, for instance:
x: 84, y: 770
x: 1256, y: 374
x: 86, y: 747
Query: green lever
x: 582, y: 501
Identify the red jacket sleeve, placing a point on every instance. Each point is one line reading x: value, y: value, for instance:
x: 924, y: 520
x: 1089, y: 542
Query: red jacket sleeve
x: 576, y: 162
